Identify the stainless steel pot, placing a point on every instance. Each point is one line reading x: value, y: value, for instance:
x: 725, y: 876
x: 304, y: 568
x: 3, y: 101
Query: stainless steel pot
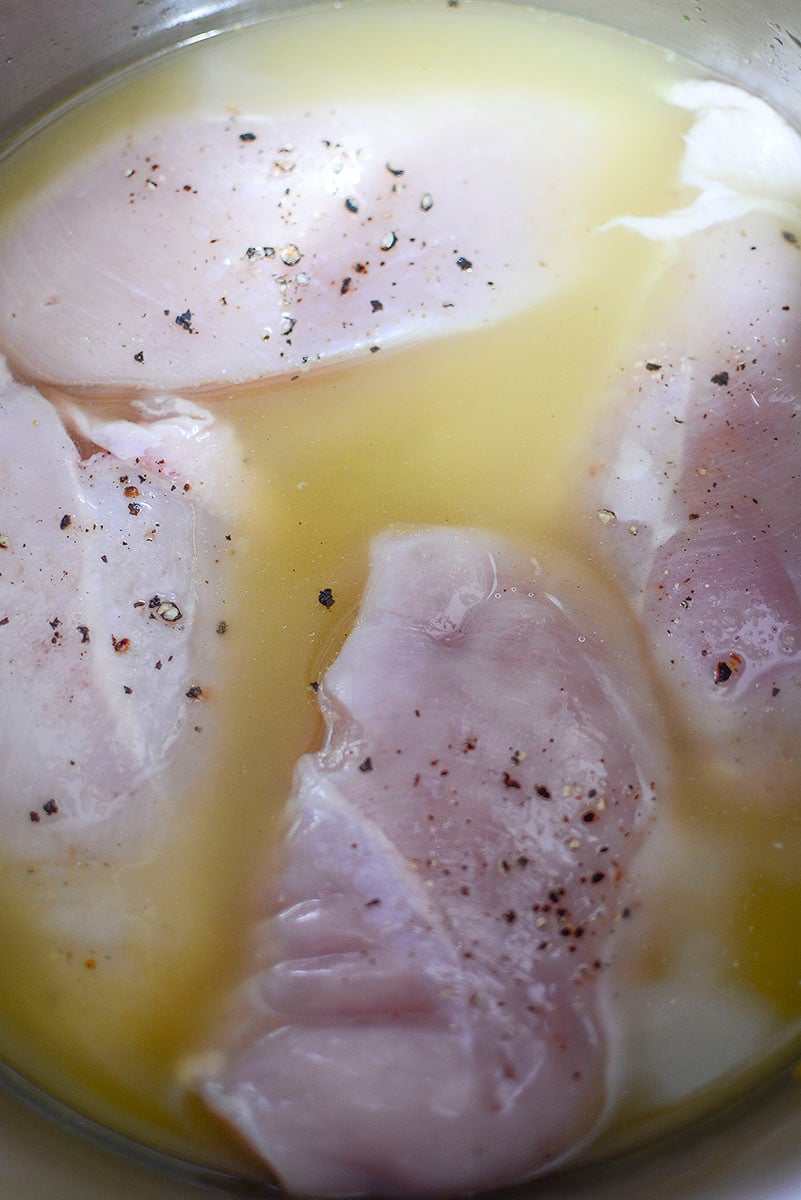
x: 51, y: 49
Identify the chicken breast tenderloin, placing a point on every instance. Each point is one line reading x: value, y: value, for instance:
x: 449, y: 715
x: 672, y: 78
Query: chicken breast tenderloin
x: 422, y: 1013
x: 215, y: 251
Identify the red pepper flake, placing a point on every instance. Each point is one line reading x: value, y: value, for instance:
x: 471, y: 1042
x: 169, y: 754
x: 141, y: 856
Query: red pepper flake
x: 326, y: 598
x: 469, y: 744
x: 50, y: 808
x: 35, y: 817
x: 90, y: 964
x: 121, y: 645
x: 726, y: 668
x: 509, y: 781
x: 65, y: 521
x: 132, y: 491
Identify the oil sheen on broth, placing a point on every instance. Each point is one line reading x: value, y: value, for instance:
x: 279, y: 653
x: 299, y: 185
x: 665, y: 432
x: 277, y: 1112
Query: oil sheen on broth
x: 485, y: 429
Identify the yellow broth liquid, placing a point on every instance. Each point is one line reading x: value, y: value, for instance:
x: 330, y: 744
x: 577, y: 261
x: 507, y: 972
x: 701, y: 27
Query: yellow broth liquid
x: 487, y: 429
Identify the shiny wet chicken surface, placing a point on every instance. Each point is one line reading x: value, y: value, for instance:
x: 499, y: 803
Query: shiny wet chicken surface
x: 228, y: 250
x: 111, y: 594
x: 423, y: 1012
x: 703, y: 485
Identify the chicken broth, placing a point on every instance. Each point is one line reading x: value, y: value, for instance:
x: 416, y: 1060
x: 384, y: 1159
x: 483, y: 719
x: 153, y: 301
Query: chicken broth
x: 109, y: 1007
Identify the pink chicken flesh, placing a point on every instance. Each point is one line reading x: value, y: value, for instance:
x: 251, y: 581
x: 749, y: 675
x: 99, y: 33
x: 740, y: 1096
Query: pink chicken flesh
x: 111, y: 589
x: 216, y: 251
x: 422, y: 1015
x: 701, y: 497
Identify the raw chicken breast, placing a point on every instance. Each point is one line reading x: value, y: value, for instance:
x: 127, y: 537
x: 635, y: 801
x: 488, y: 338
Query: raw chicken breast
x: 111, y: 591
x: 423, y: 1011
x: 701, y: 499
x: 224, y: 250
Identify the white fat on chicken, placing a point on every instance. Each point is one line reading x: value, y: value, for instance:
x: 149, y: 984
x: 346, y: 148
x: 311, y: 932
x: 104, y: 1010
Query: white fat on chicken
x: 422, y: 1014
x: 112, y: 589
x: 177, y: 440
x: 212, y: 251
x: 740, y: 155
x: 698, y: 506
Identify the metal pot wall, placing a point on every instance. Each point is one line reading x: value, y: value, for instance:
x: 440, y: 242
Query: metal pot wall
x: 49, y: 50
